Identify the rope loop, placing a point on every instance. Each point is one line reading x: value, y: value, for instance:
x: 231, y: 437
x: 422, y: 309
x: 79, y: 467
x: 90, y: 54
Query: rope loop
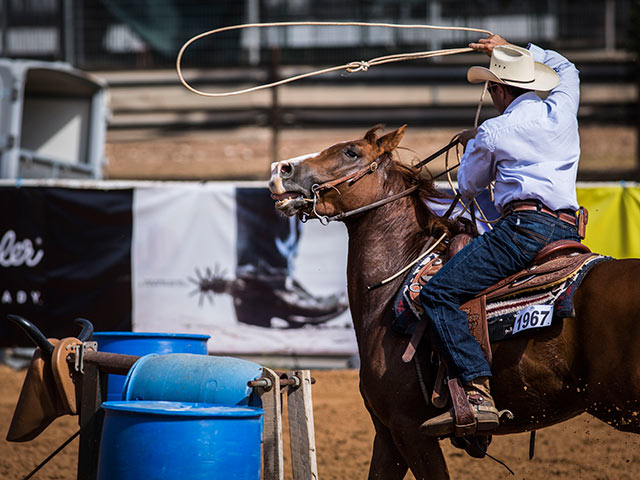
x: 351, y: 67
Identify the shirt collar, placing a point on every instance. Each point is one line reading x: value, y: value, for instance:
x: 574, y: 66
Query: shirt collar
x: 522, y: 98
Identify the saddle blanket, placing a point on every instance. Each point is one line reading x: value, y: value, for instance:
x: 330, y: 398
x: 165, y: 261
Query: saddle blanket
x: 506, y: 316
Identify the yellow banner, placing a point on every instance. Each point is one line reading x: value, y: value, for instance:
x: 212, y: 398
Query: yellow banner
x: 614, y: 219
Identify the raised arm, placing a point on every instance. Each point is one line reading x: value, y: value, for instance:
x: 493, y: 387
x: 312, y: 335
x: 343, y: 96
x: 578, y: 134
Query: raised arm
x: 567, y: 92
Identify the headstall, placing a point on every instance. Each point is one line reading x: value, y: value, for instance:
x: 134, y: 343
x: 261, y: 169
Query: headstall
x: 318, y: 189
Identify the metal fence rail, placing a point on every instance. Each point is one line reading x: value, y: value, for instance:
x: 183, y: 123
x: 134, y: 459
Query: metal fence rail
x: 134, y: 34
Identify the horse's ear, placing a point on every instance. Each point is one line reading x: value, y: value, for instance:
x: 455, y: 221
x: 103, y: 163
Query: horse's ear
x: 371, y: 135
x: 390, y: 141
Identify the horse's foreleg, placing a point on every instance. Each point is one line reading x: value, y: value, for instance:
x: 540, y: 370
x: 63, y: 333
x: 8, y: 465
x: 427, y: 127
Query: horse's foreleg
x: 395, y: 452
x: 423, y: 454
x: 386, y: 460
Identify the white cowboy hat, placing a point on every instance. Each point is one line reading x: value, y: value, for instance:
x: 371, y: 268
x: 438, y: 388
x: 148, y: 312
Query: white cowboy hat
x: 513, y: 65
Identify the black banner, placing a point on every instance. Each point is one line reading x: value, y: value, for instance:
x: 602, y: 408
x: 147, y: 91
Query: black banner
x: 64, y: 253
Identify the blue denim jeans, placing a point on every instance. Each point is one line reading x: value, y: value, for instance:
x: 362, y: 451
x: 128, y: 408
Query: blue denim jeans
x: 514, y: 241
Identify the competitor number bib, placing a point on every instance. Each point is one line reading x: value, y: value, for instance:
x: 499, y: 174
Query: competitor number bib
x: 533, y: 316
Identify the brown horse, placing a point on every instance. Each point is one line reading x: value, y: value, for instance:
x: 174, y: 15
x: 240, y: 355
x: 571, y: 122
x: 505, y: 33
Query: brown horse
x: 590, y: 363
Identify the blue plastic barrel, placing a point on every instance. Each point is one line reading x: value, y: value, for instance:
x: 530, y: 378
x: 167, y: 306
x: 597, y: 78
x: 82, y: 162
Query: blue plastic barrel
x: 143, y: 343
x: 181, y: 377
x: 177, y: 440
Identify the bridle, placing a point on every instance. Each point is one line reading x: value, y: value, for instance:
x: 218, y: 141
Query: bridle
x: 350, y: 179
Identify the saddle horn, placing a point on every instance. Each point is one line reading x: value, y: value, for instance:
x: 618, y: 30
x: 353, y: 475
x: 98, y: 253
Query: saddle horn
x: 87, y: 329
x: 33, y: 333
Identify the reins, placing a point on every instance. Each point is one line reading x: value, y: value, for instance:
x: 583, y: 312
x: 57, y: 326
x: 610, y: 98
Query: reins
x: 324, y: 219
x: 353, y: 177
x: 435, y: 155
x: 351, y: 67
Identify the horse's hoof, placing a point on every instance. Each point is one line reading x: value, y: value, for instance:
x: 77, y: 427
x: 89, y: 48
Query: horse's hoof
x: 475, y: 446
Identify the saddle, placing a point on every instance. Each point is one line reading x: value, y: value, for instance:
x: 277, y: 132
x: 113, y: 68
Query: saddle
x: 553, y: 265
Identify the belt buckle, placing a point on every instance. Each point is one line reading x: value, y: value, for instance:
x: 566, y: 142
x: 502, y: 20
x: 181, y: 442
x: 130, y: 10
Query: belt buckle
x: 508, y: 210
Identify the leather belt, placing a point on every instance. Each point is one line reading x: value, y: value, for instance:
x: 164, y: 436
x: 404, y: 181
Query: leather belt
x: 536, y: 206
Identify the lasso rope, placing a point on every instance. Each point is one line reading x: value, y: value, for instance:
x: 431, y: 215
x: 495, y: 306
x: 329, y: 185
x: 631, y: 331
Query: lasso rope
x: 465, y: 208
x: 407, y: 267
x: 350, y: 67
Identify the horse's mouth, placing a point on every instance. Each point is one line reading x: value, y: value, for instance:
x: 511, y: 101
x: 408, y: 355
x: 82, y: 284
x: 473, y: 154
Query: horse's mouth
x: 290, y: 203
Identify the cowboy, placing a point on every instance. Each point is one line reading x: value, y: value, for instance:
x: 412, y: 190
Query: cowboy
x: 531, y: 151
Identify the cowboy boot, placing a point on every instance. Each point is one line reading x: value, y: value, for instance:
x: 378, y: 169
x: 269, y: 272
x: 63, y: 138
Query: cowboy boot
x: 482, y: 405
x: 258, y: 299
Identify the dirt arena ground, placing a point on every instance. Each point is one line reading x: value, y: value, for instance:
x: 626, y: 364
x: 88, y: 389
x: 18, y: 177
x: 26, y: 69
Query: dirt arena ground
x: 582, y: 448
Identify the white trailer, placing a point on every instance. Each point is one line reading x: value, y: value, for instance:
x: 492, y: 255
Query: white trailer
x: 53, y: 121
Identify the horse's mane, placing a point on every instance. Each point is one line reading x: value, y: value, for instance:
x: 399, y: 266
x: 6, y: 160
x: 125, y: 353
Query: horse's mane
x: 427, y: 190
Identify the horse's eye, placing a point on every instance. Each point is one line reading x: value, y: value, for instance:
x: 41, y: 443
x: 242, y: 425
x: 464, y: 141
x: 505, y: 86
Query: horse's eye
x: 351, y: 153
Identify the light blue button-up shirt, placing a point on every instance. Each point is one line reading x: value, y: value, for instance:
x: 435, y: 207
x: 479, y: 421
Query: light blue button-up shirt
x: 532, y: 149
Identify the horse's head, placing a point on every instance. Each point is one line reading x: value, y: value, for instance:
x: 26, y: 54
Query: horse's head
x: 317, y: 184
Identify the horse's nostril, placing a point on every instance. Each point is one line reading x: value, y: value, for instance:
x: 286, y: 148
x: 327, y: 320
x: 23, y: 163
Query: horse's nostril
x: 286, y: 169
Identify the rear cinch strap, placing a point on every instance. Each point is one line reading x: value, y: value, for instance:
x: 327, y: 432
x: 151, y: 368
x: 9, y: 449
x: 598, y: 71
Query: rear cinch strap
x: 532, y: 444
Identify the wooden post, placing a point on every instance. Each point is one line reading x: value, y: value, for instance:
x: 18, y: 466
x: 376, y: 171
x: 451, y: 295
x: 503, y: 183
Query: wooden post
x: 303, y: 444
x: 4, y: 30
x: 634, y: 16
x: 636, y: 175
x: 272, y: 452
x: 93, y: 392
x: 274, y: 76
x: 609, y: 19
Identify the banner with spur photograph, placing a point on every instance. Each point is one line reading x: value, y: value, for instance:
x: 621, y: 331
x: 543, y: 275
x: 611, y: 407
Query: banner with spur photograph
x: 217, y: 259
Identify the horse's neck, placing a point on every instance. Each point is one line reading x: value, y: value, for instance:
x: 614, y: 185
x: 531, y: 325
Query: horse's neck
x: 380, y: 243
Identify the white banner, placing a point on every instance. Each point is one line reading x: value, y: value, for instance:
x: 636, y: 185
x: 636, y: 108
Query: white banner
x: 278, y: 289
